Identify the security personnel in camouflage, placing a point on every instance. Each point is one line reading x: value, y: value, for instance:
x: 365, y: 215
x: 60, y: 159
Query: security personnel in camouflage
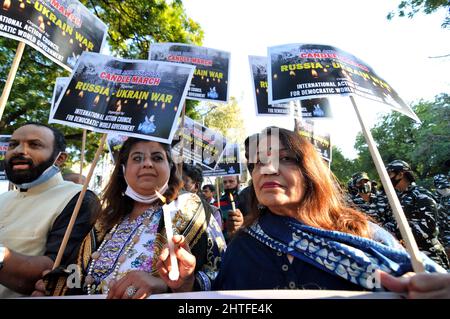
x: 367, y: 201
x: 420, y: 210
x: 350, y: 193
x: 442, y: 185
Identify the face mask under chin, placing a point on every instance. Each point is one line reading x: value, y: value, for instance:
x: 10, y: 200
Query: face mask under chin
x: 35, y: 175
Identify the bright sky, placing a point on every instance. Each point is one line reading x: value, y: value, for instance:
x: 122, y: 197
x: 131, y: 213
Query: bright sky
x: 398, y: 50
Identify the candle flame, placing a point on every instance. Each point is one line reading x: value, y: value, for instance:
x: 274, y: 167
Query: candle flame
x: 231, y: 197
x: 6, y: 4
x: 161, y: 197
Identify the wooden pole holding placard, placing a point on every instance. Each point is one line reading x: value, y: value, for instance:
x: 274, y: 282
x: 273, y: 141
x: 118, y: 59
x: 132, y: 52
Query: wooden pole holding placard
x: 78, y: 204
x: 399, y: 215
x: 83, y: 147
x: 218, y: 192
x: 11, y: 76
x: 180, y: 165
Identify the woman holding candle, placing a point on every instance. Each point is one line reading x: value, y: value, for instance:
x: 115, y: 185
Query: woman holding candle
x: 300, y: 234
x: 118, y: 258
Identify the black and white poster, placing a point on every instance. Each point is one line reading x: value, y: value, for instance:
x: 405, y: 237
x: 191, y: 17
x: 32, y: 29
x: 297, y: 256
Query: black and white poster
x: 320, y: 139
x: 212, y: 68
x: 60, y: 84
x: 200, y: 144
x: 59, y: 29
x: 229, y: 163
x: 301, y: 71
x: 138, y: 98
x: 258, y: 71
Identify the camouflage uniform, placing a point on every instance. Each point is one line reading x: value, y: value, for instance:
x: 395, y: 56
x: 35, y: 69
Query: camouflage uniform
x: 422, y: 214
x: 442, y: 182
x: 376, y: 207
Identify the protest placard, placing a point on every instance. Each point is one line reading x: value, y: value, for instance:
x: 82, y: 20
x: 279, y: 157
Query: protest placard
x: 301, y: 71
x: 229, y: 164
x: 138, y: 98
x: 61, y: 30
x: 210, y: 81
x: 320, y: 139
x: 201, y: 144
x: 258, y: 71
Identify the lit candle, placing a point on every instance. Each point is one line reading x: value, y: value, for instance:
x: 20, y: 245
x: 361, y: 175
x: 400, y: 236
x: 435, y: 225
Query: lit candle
x: 233, y: 205
x: 173, y: 273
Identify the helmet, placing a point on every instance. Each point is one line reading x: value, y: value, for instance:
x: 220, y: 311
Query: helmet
x: 359, y: 176
x: 441, y: 181
x: 398, y: 166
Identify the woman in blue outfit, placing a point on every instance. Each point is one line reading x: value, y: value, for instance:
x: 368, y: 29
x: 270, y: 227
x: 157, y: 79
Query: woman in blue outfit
x: 300, y: 234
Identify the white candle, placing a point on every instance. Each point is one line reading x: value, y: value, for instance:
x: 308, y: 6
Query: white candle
x: 173, y: 273
x: 233, y: 205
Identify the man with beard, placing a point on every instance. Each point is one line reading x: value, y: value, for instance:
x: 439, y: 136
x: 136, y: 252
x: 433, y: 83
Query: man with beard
x: 34, y: 218
x: 232, y: 219
x: 420, y: 210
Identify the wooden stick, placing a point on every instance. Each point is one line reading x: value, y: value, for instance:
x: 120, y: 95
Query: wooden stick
x: 405, y: 230
x: 11, y: 77
x: 180, y: 165
x: 218, y: 192
x: 78, y: 204
x: 83, y: 146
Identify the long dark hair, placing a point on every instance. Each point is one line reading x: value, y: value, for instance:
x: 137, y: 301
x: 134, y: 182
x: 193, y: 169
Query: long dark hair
x: 115, y: 204
x: 323, y: 204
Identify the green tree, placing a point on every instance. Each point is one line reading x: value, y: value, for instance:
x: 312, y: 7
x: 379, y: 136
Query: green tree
x: 133, y: 25
x: 424, y: 146
x: 410, y: 8
x: 342, y: 167
x: 227, y: 119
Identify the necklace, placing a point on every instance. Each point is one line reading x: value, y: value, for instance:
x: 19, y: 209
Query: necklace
x: 91, y: 288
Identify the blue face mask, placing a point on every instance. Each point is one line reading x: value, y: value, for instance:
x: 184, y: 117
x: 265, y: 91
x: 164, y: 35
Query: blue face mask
x: 45, y: 176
